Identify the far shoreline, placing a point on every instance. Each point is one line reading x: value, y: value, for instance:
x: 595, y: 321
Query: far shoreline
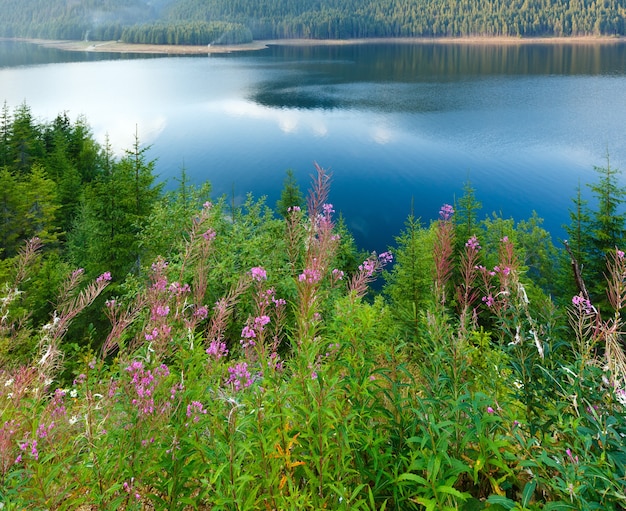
x: 120, y: 47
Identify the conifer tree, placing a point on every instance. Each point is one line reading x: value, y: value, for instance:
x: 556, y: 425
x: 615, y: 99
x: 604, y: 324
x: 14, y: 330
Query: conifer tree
x: 596, y: 230
x: 409, y: 284
x: 6, y: 126
x: 466, y: 217
x: 25, y: 142
x: 115, y: 206
x: 290, y: 196
x: 608, y: 225
x: 9, y: 213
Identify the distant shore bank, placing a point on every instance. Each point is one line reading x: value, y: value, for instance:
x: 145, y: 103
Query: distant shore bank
x: 120, y: 47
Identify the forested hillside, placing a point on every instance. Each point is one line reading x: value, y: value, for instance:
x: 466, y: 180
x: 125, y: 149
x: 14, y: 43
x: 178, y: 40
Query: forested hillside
x: 215, y: 21
x: 173, y: 350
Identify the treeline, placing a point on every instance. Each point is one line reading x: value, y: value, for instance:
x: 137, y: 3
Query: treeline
x: 405, y: 18
x: 196, y: 33
x: 135, y: 21
x: 57, y: 19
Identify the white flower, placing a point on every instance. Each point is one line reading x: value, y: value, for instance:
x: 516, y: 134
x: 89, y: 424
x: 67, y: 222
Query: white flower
x: 73, y: 419
x: 8, y: 383
x: 73, y: 393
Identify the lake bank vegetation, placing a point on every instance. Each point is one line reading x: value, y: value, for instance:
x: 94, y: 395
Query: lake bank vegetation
x: 190, y: 22
x: 173, y: 350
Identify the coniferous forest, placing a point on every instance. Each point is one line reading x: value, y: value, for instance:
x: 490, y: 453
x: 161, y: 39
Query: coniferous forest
x: 173, y: 350
x: 239, y: 21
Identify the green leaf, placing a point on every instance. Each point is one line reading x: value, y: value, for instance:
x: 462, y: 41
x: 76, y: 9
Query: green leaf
x: 413, y: 477
x: 527, y: 493
x: 452, y: 491
x: 429, y: 504
x: 501, y: 501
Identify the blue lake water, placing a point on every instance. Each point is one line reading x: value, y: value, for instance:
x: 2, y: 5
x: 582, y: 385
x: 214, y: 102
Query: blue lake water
x: 397, y: 124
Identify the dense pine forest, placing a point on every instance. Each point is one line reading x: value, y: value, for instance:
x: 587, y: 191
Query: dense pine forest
x: 237, y: 21
x: 174, y: 350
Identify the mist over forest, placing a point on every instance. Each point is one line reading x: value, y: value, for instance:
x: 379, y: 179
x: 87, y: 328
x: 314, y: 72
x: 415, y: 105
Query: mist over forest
x: 240, y: 21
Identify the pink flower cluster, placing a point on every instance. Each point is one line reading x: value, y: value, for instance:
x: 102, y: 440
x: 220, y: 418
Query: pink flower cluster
x: 194, y: 410
x: 24, y: 446
x: 472, y: 243
x: 145, y: 382
x: 258, y: 273
x: 446, y: 212
x: 209, y: 235
x: 310, y: 276
x: 217, y: 349
x: 583, y: 304
x: 239, y: 376
x: 105, y: 277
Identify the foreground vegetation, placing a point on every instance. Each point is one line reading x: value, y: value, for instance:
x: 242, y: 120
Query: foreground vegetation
x: 211, y: 356
x: 232, y: 21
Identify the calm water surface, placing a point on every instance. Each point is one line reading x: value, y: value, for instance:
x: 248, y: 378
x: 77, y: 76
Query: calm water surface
x: 397, y: 124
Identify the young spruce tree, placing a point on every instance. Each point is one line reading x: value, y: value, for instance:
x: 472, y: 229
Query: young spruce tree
x: 594, y: 232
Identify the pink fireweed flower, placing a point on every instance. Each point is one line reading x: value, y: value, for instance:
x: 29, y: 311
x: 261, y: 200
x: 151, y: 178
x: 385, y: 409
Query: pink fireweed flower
x: 43, y: 431
x: 619, y: 253
x: 582, y: 303
x: 152, y: 335
x: 337, y: 274
x: 328, y: 209
x: 105, y: 277
x: 248, y: 335
x: 260, y: 322
x: 573, y: 459
x: 209, y: 235
x: 275, y: 362
x: 248, y: 332
x: 368, y: 267
x: 145, y: 383
x: 161, y: 311
x: 217, y: 350
x: 473, y: 243
x: 446, y: 212
x: 207, y: 205
x: 293, y: 209
x: 160, y: 284
x: 385, y: 258
x: 59, y: 404
x: 239, y: 376
x: 310, y: 276
x: 258, y: 273
x: 201, y: 312
x: 159, y: 266
x: 488, y: 300
x: 195, y: 409
x: 278, y: 302
x: 490, y: 410
x: 178, y: 289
